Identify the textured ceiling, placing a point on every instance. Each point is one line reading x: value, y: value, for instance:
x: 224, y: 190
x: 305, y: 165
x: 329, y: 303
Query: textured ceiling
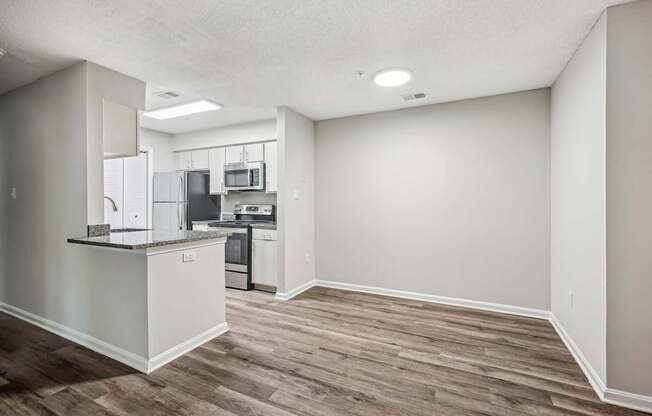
x: 252, y: 56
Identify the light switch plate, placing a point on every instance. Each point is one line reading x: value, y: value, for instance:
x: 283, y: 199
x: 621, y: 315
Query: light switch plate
x: 189, y: 256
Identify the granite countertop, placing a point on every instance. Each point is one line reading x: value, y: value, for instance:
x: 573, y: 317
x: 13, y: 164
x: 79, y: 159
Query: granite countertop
x: 264, y: 226
x: 135, y: 240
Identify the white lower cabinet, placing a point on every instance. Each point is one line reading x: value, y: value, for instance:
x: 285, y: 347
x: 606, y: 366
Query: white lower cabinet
x: 265, y: 257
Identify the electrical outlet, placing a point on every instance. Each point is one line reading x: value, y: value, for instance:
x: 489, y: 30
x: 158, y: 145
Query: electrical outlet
x: 296, y: 194
x: 189, y: 256
x: 571, y: 300
x: 13, y: 193
x: 307, y: 257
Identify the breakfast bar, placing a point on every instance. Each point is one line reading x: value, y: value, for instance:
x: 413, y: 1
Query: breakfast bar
x: 163, y: 293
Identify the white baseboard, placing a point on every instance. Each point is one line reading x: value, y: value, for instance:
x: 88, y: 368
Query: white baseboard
x: 474, y: 304
x: 179, y: 350
x: 629, y: 400
x: 92, y: 343
x: 608, y: 395
x: 590, y: 372
x: 292, y: 293
x: 612, y: 396
x: 135, y: 361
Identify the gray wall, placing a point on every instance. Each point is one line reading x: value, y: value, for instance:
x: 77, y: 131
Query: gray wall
x: 44, y: 125
x: 161, y: 143
x: 578, y: 233
x: 103, y: 83
x: 629, y: 197
x: 296, y: 199
x: 450, y: 199
x: 238, y: 133
x: 44, y: 129
x: 4, y: 192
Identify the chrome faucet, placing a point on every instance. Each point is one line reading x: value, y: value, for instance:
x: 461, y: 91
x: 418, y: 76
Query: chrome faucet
x: 115, y: 207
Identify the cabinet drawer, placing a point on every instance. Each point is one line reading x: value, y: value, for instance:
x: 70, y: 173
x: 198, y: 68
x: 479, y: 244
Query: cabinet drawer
x: 269, y: 235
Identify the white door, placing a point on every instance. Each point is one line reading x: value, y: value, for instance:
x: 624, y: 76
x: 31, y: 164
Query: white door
x: 183, y: 160
x: 234, y: 154
x: 265, y: 261
x: 113, y: 188
x: 216, y: 168
x: 135, y: 192
x: 199, y: 159
x: 254, y: 152
x: 271, y: 167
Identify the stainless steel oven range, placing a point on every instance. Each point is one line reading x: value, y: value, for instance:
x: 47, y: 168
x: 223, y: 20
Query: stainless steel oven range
x: 238, y: 243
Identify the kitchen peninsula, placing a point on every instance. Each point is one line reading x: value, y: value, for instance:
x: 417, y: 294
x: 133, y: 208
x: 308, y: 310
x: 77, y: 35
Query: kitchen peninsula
x: 165, y: 291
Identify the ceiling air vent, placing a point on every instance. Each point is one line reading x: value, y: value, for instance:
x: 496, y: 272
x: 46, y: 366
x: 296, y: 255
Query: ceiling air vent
x: 167, y: 94
x: 416, y: 96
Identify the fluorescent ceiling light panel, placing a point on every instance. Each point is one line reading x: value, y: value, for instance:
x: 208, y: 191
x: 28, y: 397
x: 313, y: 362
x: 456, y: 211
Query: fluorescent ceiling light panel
x: 392, y: 77
x: 183, y: 110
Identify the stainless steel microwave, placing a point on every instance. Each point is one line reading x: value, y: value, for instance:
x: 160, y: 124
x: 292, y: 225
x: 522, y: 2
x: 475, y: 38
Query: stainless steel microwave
x: 244, y: 176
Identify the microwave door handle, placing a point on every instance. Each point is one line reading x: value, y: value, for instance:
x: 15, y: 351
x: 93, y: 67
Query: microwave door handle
x: 251, y: 177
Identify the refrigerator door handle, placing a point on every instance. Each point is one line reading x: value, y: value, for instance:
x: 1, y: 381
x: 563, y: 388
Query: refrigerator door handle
x: 184, y: 217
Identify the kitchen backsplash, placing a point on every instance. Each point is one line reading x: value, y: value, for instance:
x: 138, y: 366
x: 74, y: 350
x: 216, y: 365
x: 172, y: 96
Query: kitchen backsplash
x: 233, y: 198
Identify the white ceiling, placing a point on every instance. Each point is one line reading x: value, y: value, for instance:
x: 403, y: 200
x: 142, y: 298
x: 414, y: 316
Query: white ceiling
x: 253, y: 55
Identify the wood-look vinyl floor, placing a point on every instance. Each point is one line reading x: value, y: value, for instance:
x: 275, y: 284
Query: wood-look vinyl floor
x: 326, y: 352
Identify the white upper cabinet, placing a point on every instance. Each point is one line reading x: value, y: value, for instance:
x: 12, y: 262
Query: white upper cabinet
x: 271, y: 167
x: 120, y: 130
x: 183, y: 160
x: 191, y: 160
x: 245, y: 153
x: 234, y: 154
x: 199, y: 159
x: 254, y: 152
x: 216, y: 159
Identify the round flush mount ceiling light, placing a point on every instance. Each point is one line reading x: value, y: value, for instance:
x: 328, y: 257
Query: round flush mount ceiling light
x: 392, y: 77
